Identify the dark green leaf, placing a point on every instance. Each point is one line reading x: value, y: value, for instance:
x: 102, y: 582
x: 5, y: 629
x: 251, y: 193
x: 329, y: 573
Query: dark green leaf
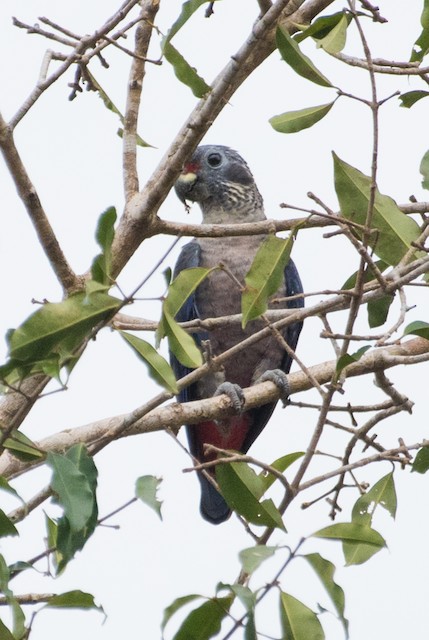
x: 72, y: 489
x: 293, y: 121
x: 158, y: 368
x: 335, y: 40
x: 411, y: 97
x: 265, y: 276
x: 299, y: 62
x: 378, y: 310
x: 421, y: 46
x: 7, y: 528
x: 101, y: 267
x: 5, y: 634
x: 175, y: 606
x: 250, y: 628
x: 74, y: 600
x: 394, y: 231
x: 253, y: 557
x: 421, y: 461
x: 146, y: 489
x: 322, y: 26
x: 181, y: 343
x: 299, y: 622
x: 242, y: 489
x: 367, y: 276
x: 205, y: 621
x: 417, y: 328
x: 184, y: 72
x: 22, y: 447
x: 326, y: 571
x: 347, y: 359
x: 281, y: 464
x: 424, y: 170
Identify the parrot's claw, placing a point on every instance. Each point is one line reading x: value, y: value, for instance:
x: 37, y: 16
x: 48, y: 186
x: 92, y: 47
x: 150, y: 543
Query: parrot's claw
x: 234, y: 393
x: 280, y: 379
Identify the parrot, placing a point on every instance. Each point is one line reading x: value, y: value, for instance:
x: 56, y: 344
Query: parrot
x: 220, y: 181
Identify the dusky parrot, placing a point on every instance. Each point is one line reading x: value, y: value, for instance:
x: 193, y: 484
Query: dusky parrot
x: 220, y: 181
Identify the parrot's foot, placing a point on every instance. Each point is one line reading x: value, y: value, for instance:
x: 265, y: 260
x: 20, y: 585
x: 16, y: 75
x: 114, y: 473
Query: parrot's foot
x: 280, y: 379
x: 234, y: 393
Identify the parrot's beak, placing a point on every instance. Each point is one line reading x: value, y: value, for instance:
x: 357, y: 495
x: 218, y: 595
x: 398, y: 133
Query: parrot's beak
x: 184, y: 185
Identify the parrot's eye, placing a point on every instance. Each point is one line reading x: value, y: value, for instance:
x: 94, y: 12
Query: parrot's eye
x: 214, y: 159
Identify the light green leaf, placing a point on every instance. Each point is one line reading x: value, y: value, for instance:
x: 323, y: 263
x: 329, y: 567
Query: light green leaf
x: 335, y: 40
x: 22, y: 447
x: 74, y: 600
x: 244, y: 594
x: 281, y: 464
x: 146, y: 490
x: 395, y: 231
x: 253, y: 557
x: 424, y: 170
x: 5, y: 486
x: 299, y: 62
x: 265, y: 276
x: 417, y: 328
x: 242, y: 489
x: 326, y: 571
x: 293, y: 121
x: 183, y: 285
x: 181, y: 343
x: 299, y: 622
x: 205, y: 621
x: 421, y: 461
x: 360, y: 541
x: 410, y: 98
x: 5, y: 634
x: 321, y: 27
x: 73, y: 490
x: 184, y: 72
x: 158, y: 368
x: 383, y: 493
x: 421, y: 46
x: 188, y: 9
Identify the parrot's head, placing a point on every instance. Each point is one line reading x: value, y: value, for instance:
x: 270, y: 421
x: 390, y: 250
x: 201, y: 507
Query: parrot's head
x: 220, y: 181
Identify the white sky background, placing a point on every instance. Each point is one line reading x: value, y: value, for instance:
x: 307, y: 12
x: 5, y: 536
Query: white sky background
x: 73, y: 156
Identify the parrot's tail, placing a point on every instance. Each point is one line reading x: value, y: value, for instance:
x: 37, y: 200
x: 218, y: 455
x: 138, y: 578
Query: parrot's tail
x: 213, y: 507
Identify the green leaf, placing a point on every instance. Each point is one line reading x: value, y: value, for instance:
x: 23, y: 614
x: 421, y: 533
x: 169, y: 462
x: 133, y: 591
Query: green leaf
x: 326, y: 571
x: 382, y: 493
x: 181, y: 343
x: 421, y: 461
x: 74, y: 600
x: 367, y: 276
x: 205, y: 621
x: 184, y: 72
x: 5, y: 634
x: 265, y: 276
x: 421, y: 45
x: 60, y: 324
x: 253, y: 557
x: 158, y: 368
x: 281, y: 464
x: 113, y: 108
x: 101, y: 266
x: 183, y: 285
x: 299, y: 62
x: 5, y: 486
x: 410, y: 98
x: 378, y: 310
x: 242, y: 489
x: 351, y: 532
x: 417, y: 328
x: 22, y: 447
x: 250, y: 628
x: 321, y: 27
x: 7, y: 528
x: 146, y: 489
x: 175, y: 606
x: 299, y: 622
x: 347, y: 359
x: 424, y: 170
x: 293, y: 121
x: 395, y: 231
x: 73, y: 490
x: 244, y: 594
x: 188, y: 9
x: 335, y: 40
